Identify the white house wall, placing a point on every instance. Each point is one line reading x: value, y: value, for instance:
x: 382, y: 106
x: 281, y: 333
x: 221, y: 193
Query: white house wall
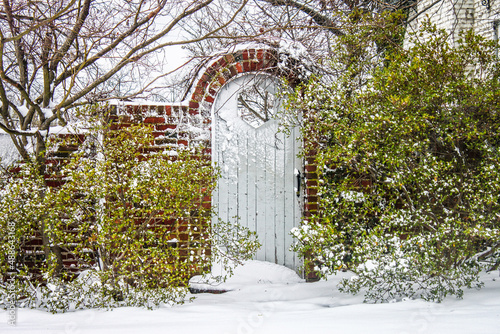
x: 457, y: 15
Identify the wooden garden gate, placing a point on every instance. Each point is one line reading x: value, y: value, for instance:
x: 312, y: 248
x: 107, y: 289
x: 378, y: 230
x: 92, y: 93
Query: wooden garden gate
x: 261, y: 173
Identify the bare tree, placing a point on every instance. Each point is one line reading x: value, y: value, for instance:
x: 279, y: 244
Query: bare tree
x: 56, y: 55
x: 312, y: 25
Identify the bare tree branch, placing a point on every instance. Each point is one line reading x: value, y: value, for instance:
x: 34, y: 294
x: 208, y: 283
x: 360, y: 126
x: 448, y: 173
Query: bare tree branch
x: 320, y: 19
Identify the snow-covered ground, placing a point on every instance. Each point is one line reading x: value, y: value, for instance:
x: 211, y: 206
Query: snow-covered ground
x: 266, y: 298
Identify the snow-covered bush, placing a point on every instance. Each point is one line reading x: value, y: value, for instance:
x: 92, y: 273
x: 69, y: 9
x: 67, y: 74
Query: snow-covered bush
x: 407, y: 146
x: 137, y: 220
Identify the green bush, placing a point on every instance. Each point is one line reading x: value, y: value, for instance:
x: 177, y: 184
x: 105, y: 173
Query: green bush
x: 408, y: 146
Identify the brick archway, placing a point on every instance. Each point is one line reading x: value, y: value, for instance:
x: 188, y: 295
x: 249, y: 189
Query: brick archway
x: 226, y: 68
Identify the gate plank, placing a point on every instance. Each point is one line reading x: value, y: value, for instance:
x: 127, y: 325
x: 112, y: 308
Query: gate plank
x: 280, y: 180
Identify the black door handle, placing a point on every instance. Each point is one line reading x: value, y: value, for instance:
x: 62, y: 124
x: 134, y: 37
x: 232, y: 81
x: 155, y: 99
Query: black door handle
x: 299, y: 181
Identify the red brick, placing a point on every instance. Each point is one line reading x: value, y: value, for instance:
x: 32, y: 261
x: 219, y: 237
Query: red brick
x: 229, y: 58
x: 213, y: 69
x: 311, y: 168
x: 248, y: 54
x: 311, y: 160
x: 193, y: 104
x: 311, y: 207
x: 311, y: 175
x: 198, y: 93
x: 233, y: 70
x: 193, y: 111
x: 312, y: 183
x: 239, y: 67
x: 246, y: 66
x: 312, y: 199
x: 154, y: 120
x: 157, y: 134
x: 168, y: 110
x: 221, y: 79
x: 312, y: 191
x: 209, y: 99
x: 203, y: 82
x: 222, y: 63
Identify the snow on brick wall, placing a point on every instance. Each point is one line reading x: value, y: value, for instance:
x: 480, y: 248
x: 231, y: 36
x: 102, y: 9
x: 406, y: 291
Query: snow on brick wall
x: 173, y: 125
